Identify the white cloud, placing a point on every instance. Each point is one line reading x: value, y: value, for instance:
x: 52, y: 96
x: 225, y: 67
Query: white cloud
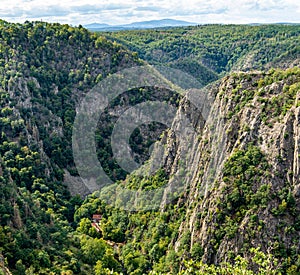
x: 115, y: 11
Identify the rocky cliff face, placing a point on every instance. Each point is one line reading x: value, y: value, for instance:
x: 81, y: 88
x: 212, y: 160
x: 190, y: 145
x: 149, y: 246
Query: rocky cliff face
x: 241, y: 167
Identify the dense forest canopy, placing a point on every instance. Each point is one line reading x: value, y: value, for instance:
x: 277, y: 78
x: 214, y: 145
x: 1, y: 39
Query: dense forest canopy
x: 208, y: 51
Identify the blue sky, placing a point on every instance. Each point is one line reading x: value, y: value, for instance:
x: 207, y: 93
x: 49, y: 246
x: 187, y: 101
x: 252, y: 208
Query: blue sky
x: 119, y: 12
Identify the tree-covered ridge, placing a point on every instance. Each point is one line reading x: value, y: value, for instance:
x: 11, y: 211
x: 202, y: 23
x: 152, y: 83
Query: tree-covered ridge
x: 47, y: 68
x: 44, y: 71
x: 210, y: 50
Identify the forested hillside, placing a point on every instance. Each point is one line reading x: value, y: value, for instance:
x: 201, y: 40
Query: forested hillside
x: 45, y: 69
x: 247, y: 223
x: 210, y: 51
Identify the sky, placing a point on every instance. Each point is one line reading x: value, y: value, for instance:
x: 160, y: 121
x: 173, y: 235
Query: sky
x: 116, y: 12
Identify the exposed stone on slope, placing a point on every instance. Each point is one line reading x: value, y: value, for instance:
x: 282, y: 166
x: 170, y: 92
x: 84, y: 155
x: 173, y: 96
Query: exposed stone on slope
x: 240, y: 118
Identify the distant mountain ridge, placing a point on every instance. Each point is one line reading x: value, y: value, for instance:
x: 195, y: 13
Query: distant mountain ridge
x: 139, y: 25
x: 97, y: 25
